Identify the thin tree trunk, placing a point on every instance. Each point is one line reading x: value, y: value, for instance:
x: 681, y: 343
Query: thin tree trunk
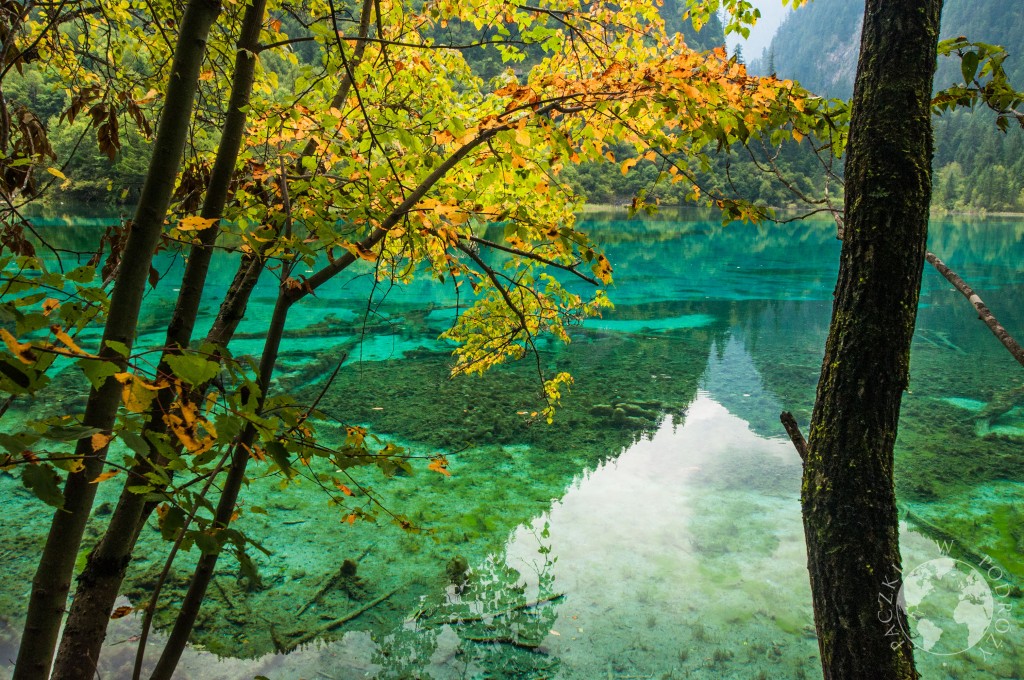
x: 101, y: 580
x: 53, y: 577
x: 849, y: 503
x: 193, y: 601
x: 1011, y: 345
x: 106, y: 568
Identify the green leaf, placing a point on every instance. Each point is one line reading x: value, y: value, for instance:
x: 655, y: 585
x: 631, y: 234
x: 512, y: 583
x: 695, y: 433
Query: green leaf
x: 69, y: 433
x: 119, y: 347
x: 279, y: 454
x: 83, y: 274
x: 969, y: 66
x: 206, y: 543
x: 193, y: 368
x: 98, y: 370
x: 44, y: 482
x: 171, y: 521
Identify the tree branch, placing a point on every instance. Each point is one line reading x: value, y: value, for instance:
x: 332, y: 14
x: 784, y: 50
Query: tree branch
x: 983, y: 311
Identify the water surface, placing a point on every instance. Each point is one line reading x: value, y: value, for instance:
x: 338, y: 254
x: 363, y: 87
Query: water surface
x: 654, y: 531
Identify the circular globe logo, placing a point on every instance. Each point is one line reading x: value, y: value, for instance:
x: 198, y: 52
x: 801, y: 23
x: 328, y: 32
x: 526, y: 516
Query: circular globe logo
x: 949, y: 605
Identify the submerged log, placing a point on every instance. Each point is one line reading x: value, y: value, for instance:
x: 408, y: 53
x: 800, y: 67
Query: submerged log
x: 983, y: 311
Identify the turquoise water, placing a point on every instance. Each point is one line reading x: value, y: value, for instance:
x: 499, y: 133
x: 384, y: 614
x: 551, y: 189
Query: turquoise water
x: 654, y: 530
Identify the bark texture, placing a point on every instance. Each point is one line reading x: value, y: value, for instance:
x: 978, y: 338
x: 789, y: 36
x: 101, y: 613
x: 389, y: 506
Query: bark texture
x: 52, y: 581
x: 848, y: 496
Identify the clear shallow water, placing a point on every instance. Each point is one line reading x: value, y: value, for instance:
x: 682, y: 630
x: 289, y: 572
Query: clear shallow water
x: 658, y: 520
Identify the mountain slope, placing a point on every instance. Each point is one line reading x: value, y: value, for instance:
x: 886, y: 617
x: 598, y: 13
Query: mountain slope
x: 818, y: 44
x: 975, y: 166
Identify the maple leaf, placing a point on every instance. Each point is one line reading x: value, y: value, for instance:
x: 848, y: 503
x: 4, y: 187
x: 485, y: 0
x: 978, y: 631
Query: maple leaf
x: 439, y: 465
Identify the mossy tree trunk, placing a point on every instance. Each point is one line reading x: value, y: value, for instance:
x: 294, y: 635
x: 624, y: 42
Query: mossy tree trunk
x: 849, y: 502
x: 53, y: 577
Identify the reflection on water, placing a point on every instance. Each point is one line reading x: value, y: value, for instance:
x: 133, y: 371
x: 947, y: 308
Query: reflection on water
x: 654, y: 531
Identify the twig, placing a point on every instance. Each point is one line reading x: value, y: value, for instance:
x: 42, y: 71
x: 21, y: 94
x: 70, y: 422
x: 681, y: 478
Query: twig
x: 337, y: 623
x: 481, y: 617
x: 983, y: 312
x: 795, y: 435
x: 528, y: 646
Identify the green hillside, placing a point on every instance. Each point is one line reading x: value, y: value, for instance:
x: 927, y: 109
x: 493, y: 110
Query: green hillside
x: 976, y: 167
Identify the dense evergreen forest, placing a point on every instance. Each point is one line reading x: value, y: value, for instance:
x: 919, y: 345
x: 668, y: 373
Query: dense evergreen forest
x: 975, y: 166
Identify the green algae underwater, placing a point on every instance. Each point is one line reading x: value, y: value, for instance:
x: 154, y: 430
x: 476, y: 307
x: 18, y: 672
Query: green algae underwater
x: 652, y: 532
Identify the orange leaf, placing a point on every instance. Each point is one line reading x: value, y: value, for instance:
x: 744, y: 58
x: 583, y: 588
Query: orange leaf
x: 344, y: 489
x: 105, y: 476
x: 121, y: 612
x: 50, y: 304
x: 440, y: 465
x: 351, y: 519
x: 99, y: 440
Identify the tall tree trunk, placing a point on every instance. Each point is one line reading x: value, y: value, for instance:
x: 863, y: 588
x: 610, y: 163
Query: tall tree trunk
x: 53, y: 576
x: 101, y: 580
x: 849, y: 502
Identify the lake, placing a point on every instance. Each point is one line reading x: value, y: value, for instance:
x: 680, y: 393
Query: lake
x: 653, y: 531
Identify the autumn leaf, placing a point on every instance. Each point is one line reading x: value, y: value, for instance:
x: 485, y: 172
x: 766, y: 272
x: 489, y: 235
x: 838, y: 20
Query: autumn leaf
x: 50, y: 304
x: 602, y: 269
x: 59, y: 333
x: 22, y: 350
x: 56, y: 173
x: 121, y: 612
x: 100, y: 440
x: 360, y: 251
x: 439, y: 465
x: 344, y: 489
x: 105, y: 476
x: 136, y: 393
x: 196, y: 223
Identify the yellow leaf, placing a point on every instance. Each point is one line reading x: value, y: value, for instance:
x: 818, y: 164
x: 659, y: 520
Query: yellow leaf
x: 629, y: 163
x: 797, y: 135
x: 22, y: 350
x: 50, y: 304
x: 195, y: 223
x: 206, y: 76
x: 56, y: 173
x: 359, y: 251
x: 99, y: 440
x: 136, y: 394
x: 66, y: 339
